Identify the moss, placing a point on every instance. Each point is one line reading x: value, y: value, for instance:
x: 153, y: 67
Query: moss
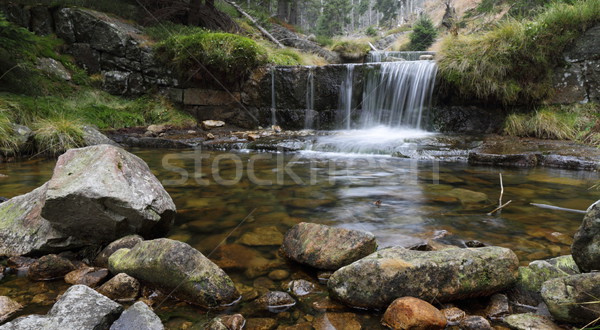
x: 352, y: 48
x: 221, y: 54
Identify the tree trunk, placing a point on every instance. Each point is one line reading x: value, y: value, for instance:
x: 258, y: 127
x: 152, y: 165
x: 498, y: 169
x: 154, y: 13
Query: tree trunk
x: 210, y: 3
x: 282, y: 10
x: 293, y: 14
x: 258, y: 26
x: 194, y: 15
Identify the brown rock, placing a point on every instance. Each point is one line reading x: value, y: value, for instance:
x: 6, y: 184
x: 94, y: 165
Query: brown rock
x: 413, y: 313
x: 301, y: 287
x: 276, y: 301
x: 8, y: 307
x: 453, y: 315
x: 89, y: 276
x: 299, y: 326
x: 19, y: 263
x: 50, y: 267
x: 261, y: 324
x: 498, y: 307
x: 126, y: 242
x: 262, y: 236
x: 228, y: 322
x: 122, y: 287
x: 326, y: 247
x: 327, y: 305
x: 233, y: 256
x: 279, y: 274
x: 475, y: 322
x: 346, y: 321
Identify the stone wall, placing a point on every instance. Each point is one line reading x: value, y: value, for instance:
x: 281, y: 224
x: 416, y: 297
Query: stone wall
x: 578, y: 80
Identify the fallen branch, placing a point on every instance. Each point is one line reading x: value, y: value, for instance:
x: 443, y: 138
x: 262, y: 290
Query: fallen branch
x: 499, y: 208
x: 501, y: 190
x: 373, y: 47
x: 552, y: 207
x: 255, y: 22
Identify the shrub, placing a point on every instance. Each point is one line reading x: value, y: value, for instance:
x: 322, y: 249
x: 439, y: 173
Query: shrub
x: 512, y: 63
x: 53, y: 136
x: 423, y: 34
x: 371, y: 31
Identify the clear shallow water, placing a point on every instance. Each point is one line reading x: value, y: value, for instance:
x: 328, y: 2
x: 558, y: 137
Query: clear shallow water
x: 221, y: 202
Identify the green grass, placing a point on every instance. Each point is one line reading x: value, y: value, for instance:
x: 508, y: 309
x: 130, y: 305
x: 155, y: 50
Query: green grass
x: 285, y: 56
x: 9, y: 144
x: 512, y: 63
x: 578, y: 122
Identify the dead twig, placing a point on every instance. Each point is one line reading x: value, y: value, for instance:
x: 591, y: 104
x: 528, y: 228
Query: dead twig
x: 499, y: 208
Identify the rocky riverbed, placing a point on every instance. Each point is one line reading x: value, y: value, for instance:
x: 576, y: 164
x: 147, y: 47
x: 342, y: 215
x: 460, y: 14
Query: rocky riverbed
x: 321, y: 274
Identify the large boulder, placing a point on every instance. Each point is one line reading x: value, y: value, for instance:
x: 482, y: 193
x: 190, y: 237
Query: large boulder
x: 101, y: 193
x: 375, y: 281
x: 23, y: 230
x: 327, y: 247
x: 573, y: 299
x: 175, y: 266
x: 78, y: 308
x: 586, y: 244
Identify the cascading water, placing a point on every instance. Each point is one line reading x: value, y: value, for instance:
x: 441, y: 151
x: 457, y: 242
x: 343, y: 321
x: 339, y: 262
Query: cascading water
x: 395, y: 56
x: 346, y: 91
x: 396, y: 96
x: 273, y: 101
x: 309, y: 118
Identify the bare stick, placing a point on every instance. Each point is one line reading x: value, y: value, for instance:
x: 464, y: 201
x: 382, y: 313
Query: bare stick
x: 501, y: 190
x: 255, y: 22
x: 499, y: 208
x: 552, y: 207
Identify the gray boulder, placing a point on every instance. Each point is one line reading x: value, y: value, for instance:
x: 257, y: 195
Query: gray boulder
x: 326, y: 247
x: 446, y: 275
x: 101, y: 193
x: 24, y: 231
x: 175, y: 266
x: 78, y: 308
x: 138, y: 317
x: 586, y: 244
x: 53, y: 68
x: 8, y: 307
x: 573, y: 299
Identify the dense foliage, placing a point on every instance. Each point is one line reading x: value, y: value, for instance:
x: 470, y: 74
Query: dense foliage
x: 513, y: 62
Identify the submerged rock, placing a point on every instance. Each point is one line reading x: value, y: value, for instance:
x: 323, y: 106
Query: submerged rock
x: 375, y: 281
x: 227, y: 322
x: 138, y: 316
x: 111, y: 187
x: 173, y: 265
x: 413, y: 313
x: 569, y: 298
x: 475, y: 322
x: 586, y: 245
x: 326, y: 247
x: 78, y: 308
x: 276, y: 301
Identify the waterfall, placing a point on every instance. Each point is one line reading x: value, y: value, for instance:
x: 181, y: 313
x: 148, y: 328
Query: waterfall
x: 398, y: 94
x: 273, y: 102
x: 345, y: 103
x: 310, y: 100
x: 394, y: 56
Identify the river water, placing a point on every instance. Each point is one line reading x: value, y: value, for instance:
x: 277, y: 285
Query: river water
x: 247, y: 200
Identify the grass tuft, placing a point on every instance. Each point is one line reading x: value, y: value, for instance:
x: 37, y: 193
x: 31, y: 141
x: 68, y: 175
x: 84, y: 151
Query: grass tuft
x: 512, y: 63
x: 54, y: 136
